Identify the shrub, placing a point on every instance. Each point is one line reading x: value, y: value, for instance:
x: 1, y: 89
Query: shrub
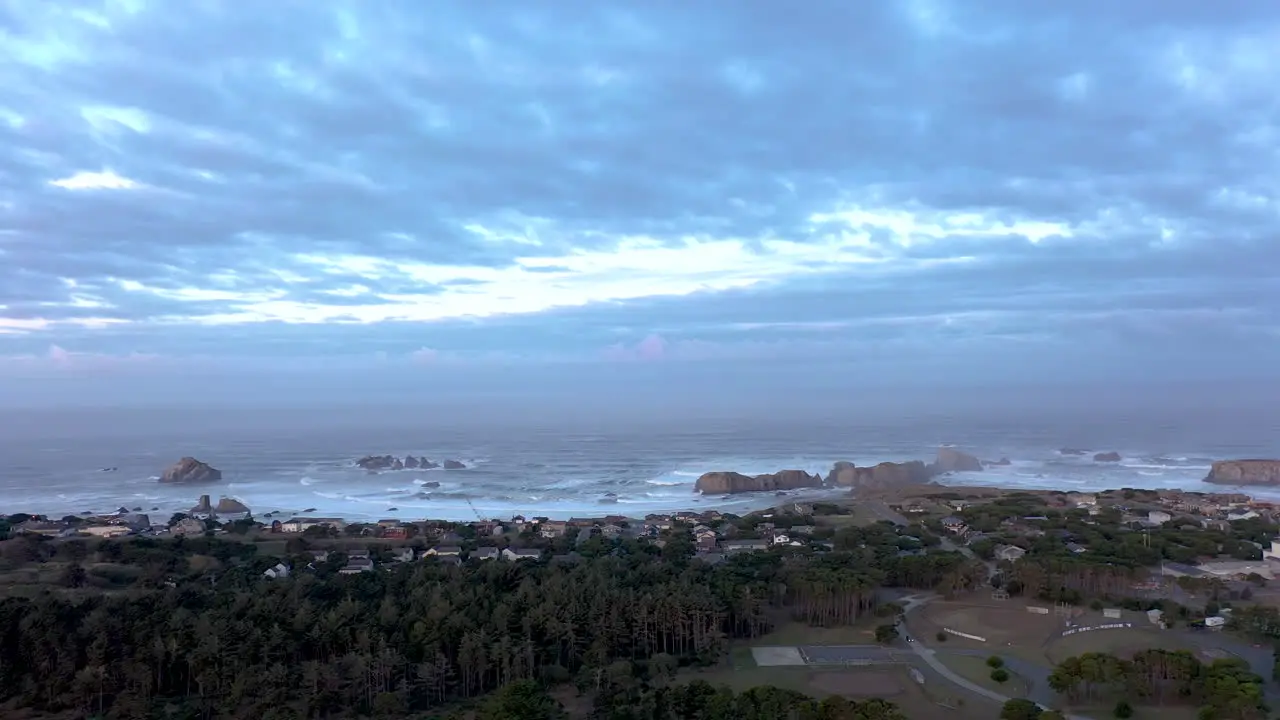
x: 1000, y: 675
x: 995, y: 661
x: 941, y: 636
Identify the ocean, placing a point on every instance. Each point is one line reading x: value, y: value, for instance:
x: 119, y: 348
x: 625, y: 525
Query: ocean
x: 52, y: 461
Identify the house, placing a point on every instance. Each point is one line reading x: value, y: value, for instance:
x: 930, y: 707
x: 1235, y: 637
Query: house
x: 780, y: 538
x: 1215, y: 524
x: 485, y: 553
x: 702, y: 531
x: 744, y: 545
x: 1158, y: 517
x: 705, y: 544
x: 404, y: 554
x: 1241, y: 515
x: 280, y: 571
x: 443, y: 551
x: 1076, y: 548
x: 1086, y: 500
x: 1273, y: 553
x: 611, y: 530
x: 136, y: 522
x: 297, y: 525
x: 43, y: 528
x: 357, y: 562
x: 552, y: 528
x: 953, y: 524
x: 521, y: 554
x: 319, y: 556
x: 188, y: 526
x: 1009, y: 553
x: 106, y: 531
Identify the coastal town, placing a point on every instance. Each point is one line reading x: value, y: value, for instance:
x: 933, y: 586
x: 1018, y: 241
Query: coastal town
x: 934, y: 600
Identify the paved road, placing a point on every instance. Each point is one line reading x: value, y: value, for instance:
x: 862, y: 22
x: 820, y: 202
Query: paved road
x: 1038, y: 678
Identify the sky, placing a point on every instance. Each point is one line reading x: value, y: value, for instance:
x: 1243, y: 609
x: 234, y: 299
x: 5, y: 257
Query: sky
x: 671, y: 199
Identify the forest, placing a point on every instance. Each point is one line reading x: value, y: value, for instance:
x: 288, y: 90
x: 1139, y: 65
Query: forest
x: 1226, y: 687
x: 417, y: 638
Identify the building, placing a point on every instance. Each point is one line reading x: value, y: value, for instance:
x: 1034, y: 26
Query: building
x: 953, y: 524
x: 43, y: 528
x: 188, y: 526
x: 1009, y: 553
x: 731, y: 546
x: 280, y: 571
x: 404, y: 554
x: 106, y: 531
x: 443, y: 551
x: 1158, y: 517
x: 485, y: 553
x: 521, y: 554
x: 357, y: 563
x: 297, y: 525
x: 552, y: 528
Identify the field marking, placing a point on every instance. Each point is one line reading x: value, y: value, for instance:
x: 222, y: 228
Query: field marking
x: 778, y: 656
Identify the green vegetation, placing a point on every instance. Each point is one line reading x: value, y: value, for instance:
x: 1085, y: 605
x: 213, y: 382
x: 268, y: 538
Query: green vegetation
x: 1222, y: 688
x: 191, y: 628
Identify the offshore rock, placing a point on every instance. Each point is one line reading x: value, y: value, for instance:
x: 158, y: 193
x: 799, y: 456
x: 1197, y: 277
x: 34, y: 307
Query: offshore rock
x: 952, y: 460
x: 1112, y: 456
x: 454, y: 465
x: 728, y: 483
x: 1245, y: 472
x: 880, y: 477
x: 190, y: 470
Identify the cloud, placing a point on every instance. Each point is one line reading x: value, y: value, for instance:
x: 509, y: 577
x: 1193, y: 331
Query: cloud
x: 668, y: 181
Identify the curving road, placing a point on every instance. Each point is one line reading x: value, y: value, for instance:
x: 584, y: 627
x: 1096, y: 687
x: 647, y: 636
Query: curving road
x: 1037, y: 675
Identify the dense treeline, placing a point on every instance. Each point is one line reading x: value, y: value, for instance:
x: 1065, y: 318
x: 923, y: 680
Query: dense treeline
x: 399, y: 642
x: 1227, y: 688
x: 700, y: 701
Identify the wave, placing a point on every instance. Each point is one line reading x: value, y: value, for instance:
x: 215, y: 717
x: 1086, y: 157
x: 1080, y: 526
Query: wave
x: 667, y: 482
x: 304, y: 480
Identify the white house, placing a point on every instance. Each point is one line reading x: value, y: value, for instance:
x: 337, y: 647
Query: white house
x: 279, y: 571
x: 1158, y: 517
x: 1273, y: 553
x: 521, y: 554
x: 485, y: 553
x: 404, y: 554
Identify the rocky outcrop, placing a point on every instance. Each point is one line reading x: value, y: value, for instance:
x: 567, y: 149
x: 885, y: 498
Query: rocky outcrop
x: 879, y: 477
x: 952, y: 460
x: 231, y: 506
x: 377, y: 463
x: 203, y: 506
x: 1112, y: 456
x: 728, y: 483
x: 190, y: 470
x: 1245, y: 472
x: 454, y: 465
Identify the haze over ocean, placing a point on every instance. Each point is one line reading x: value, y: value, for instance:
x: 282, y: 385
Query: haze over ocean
x: 544, y: 454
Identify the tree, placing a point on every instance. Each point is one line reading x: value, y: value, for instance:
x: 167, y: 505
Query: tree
x: 1020, y: 709
x: 941, y: 636
x: 995, y: 661
x: 1000, y: 675
x: 521, y: 700
x: 886, y: 634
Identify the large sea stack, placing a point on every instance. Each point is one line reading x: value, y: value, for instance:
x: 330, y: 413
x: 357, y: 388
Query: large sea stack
x: 190, y: 470
x: 728, y: 483
x: 952, y: 460
x: 879, y: 477
x: 1245, y: 472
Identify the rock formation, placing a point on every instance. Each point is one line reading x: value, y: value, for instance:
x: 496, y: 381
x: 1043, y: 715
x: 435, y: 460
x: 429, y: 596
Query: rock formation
x: 203, y: 506
x: 726, y: 483
x: 454, y: 465
x: 1245, y: 472
x: 1112, y: 456
x: 391, y: 462
x: 230, y: 506
x: 880, y: 477
x: 190, y: 470
x: 952, y: 460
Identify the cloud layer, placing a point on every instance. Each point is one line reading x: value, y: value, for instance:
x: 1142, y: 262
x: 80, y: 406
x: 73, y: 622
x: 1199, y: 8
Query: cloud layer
x: 655, y: 182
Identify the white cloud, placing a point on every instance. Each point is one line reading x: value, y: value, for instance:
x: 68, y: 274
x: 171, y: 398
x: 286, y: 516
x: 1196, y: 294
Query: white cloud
x: 86, y: 180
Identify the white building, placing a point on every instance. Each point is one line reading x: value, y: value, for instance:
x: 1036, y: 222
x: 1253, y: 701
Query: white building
x: 279, y: 571
x: 1158, y: 517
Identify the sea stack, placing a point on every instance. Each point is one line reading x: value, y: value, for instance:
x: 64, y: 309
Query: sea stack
x: 729, y: 483
x: 190, y: 470
x: 1244, y: 472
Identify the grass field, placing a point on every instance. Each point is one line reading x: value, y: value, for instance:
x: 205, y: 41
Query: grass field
x: 1116, y: 642
x: 975, y: 670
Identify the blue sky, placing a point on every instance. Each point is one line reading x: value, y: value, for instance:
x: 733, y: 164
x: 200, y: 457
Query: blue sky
x: 723, y: 192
